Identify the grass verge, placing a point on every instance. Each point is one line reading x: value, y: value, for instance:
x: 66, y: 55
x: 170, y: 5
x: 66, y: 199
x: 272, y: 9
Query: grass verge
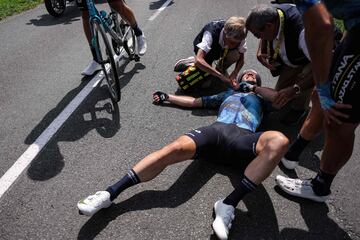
x: 11, y: 7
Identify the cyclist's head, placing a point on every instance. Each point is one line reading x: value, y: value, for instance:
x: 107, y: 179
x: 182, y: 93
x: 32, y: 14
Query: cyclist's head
x: 250, y: 76
x: 234, y: 29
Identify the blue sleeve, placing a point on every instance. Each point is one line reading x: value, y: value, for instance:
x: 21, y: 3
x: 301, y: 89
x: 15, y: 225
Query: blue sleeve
x: 215, y: 101
x: 304, y: 5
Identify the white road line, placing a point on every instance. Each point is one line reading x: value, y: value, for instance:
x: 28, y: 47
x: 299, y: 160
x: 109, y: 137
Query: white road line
x: 160, y: 10
x: 34, y: 149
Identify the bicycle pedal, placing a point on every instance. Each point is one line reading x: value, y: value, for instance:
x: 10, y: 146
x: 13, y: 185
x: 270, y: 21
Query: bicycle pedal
x: 137, y: 58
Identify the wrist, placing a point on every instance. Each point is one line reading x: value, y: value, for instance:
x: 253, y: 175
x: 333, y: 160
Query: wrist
x: 253, y: 88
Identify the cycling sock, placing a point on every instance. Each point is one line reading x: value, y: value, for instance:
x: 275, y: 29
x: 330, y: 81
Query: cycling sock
x: 322, y: 183
x: 130, y: 179
x: 137, y: 30
x: 245, y: 186
x: 93, y: 52
x: 296, y: 148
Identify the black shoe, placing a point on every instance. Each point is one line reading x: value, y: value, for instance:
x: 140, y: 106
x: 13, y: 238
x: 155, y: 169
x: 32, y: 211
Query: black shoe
x: 293, y: 117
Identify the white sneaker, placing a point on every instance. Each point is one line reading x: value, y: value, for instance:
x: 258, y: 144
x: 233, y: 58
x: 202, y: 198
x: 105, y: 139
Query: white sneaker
x: 299, y: 188
x: 91, y: 68
x: 141, y: 43
x: 182, y: 64
x: 289, y: 164
x: 93, y: 203
x: 224, y: 216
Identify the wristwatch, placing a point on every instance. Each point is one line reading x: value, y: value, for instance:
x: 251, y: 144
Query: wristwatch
x: 297, y: 89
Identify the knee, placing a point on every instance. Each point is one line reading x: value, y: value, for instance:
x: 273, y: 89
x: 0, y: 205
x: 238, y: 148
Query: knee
x: 276, y: 143
x: 181, y: 146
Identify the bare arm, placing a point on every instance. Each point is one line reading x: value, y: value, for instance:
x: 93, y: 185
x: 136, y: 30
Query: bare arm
x: 185, y: 101
x: 203, y: 65
x: 267, y: 93
x: 319, y: 39
x: 239, y: 65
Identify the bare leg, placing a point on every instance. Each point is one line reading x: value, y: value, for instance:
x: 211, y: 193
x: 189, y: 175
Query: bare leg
x: 313, y: 124
x: 339, y: 144
x: 86, y: 25
x: 270, y: 147
x: 152, y: 165
x: 123, y: 9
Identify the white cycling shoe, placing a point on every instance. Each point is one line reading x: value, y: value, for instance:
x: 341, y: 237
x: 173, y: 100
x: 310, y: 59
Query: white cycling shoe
x: 299, y: 188
x: 91, y: 68
x: 93, y: 203
x: 142, y: 45
x: 224, y: 216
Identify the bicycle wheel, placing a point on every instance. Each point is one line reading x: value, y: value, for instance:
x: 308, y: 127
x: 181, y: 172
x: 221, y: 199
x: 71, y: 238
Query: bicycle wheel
x: 55, y: 7
x: 105, y: 57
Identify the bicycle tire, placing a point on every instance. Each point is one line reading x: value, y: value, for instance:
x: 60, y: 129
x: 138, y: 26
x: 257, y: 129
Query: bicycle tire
x: 55, y: 8
x: 105, y: 57
x: 129, y: 39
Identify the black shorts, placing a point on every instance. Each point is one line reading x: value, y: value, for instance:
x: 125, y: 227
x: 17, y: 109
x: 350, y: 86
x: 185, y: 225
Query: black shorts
x: 225, y: 143
x: 345, y: 74
x: 81, y: 4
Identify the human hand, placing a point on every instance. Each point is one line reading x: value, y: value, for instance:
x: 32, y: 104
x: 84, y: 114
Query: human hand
x: 234, y: 84
x: 264, y: 60
x: 329, y: 106
x: 160, y: 97
x: 245, y: 87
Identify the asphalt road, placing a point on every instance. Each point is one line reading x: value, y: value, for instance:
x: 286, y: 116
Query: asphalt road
x: 40, y: 61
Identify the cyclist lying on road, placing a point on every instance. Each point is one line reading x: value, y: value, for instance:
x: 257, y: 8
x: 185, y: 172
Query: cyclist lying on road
x: 230, y: 140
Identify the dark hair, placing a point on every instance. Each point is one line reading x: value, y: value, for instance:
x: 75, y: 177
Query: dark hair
x: 258, y: 77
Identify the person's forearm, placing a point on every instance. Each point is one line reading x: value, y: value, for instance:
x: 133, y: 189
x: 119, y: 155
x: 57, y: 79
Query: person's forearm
x: 306, y: 83
x: 239, y: 65
x: 203, y: 65
x: 267, y: 93
x: 319, y: 40
x: 185, y: 101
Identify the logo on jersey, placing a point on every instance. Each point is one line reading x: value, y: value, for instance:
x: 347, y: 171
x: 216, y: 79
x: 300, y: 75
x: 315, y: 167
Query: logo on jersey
x: 339, y: 78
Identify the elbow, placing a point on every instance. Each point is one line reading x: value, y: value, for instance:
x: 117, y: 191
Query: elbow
x: 198, y: 61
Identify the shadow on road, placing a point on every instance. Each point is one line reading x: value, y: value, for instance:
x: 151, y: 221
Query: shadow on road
x: 258, y: 221
x: 315, y: 215
x: 188, y: 184
x: 157, y: 4
x: 50, y: 161
x: 72, y: 14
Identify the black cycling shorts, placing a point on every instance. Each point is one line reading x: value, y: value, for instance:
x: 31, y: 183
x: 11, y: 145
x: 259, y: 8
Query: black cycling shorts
x: 345, y: 74
x: 81, y: 4
x: 225, y: 144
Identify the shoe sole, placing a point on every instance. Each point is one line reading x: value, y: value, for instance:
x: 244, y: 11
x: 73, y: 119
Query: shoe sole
x: 186, y: 62
x: 88, y: 75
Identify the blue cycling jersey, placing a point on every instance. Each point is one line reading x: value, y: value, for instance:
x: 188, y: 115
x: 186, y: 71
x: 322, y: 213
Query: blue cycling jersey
x: 346, y: 10
x: 243, y: 109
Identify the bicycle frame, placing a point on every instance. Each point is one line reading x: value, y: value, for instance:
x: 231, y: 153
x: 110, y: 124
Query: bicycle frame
x: 94, y: 15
